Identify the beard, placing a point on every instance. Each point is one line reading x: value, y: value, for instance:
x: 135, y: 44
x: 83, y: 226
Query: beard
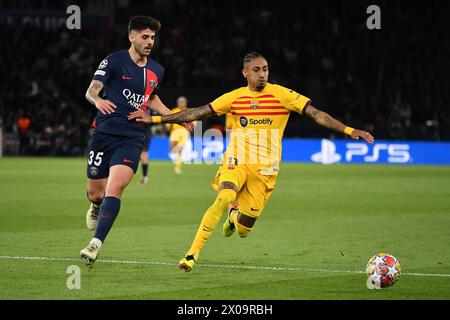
x: 260, y: 86
x: 143, y: 52
x: 146, y: 53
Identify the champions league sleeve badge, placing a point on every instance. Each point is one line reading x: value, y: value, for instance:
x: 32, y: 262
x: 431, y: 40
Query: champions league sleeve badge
x: 103, y: 64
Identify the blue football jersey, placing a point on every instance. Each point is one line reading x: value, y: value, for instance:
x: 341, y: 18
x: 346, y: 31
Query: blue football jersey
x: 129, y: 87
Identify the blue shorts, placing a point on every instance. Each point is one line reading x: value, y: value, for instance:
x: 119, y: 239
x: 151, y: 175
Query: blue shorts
x: 105, y: 151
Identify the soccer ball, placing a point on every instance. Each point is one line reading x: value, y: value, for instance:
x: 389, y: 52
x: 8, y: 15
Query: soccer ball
x: 383, y: 270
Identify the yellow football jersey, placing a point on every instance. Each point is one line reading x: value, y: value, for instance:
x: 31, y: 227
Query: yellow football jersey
x: 259, y: 118
x: 229, y: 121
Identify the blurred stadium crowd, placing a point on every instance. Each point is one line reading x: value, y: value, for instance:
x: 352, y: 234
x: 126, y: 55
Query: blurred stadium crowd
x: 393, y: 82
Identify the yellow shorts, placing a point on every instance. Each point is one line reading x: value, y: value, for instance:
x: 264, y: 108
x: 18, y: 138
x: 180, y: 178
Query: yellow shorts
x: 254, y: 189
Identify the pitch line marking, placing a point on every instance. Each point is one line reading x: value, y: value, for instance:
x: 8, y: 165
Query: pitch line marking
x: 229, y: 266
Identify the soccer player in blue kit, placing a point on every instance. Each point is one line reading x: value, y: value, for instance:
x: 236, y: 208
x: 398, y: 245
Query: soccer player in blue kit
x: 125, y: 81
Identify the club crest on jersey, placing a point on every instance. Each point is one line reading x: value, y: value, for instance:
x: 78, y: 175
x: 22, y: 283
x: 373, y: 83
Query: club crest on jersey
x: 152, y: 84
x: 254, y: 104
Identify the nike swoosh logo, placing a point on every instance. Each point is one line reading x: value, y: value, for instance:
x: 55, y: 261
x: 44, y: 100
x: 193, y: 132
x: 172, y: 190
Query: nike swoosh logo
x: 128, y: 161
x: 126, y: 78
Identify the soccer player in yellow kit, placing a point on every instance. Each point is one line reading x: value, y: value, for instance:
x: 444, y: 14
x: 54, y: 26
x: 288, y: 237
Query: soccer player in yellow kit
x: 178, y: 135
x: 250, y: 165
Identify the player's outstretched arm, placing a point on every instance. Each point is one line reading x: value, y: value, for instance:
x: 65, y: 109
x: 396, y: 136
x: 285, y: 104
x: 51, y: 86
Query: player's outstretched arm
x: 327, y: 121
x: 92, y: 95
x: 188, y: 115
x: 157, y: 105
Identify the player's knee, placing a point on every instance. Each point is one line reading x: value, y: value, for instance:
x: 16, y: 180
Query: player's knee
x: 95, y: 196
x: 225, y: 198
x: 144, y: 157
x: 116, y: 188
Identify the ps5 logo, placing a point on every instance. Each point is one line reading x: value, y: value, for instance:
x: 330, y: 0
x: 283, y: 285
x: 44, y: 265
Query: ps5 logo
x: 327, y: 154
x: 396, y: 153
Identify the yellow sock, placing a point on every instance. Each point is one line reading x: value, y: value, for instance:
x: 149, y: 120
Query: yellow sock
x: 242, y: 230
x: 178, y: 162
x: 210, y: 220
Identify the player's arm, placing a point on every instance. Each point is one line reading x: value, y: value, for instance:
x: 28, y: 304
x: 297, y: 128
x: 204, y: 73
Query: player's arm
x: 93, y: 96
x: 188, y: 115
x: 327, y: 121
x: 157, y: 105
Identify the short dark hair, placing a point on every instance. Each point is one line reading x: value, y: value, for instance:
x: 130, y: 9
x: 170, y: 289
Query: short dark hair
x: 139, y: 23
x: 250, y: 56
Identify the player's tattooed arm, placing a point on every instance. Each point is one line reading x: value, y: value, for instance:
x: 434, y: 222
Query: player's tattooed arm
x: 324, y: 119
x: 93, y: 96
x: 188, y: 115
x: 157, y: 105
x: 327, y: 121
x: 93, y: 91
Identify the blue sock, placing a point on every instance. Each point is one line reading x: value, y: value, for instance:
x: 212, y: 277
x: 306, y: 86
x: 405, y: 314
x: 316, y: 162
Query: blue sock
x: 144, y: 169
x: 108, y: 212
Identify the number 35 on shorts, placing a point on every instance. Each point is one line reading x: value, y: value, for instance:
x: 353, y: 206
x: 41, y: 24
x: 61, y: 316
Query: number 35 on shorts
x: 95, y: 159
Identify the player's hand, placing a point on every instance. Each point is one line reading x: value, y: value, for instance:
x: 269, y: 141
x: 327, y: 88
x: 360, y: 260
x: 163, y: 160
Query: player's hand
x: 189, y: 126
x: 356, y: 134
x: 140, y: 116
x: 105, y: 106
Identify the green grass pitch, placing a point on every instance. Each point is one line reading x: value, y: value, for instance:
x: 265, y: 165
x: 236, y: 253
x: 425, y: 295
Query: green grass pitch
x: 320, y: 227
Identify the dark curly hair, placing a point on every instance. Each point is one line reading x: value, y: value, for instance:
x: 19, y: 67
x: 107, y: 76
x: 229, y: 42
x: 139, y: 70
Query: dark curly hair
x: 139, y: 23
